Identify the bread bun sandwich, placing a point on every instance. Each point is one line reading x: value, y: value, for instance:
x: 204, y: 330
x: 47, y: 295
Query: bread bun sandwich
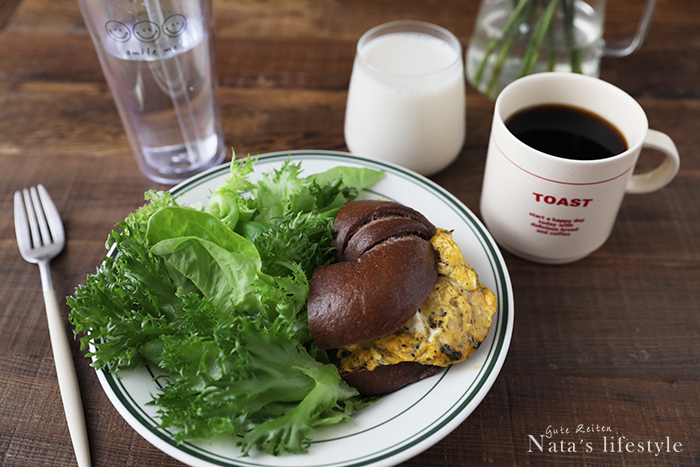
x: 400, y: 302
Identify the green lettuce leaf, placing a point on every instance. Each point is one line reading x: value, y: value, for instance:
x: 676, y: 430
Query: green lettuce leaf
x: 221, y: 264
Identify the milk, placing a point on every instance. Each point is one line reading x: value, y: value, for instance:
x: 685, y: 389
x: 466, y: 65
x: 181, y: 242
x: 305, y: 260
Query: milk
x: 406, y: 101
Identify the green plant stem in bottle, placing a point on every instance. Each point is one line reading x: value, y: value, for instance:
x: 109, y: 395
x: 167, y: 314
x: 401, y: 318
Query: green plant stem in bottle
x: 536, y: 21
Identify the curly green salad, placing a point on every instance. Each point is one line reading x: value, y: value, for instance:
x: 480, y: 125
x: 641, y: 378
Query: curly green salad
x: 215, y: 296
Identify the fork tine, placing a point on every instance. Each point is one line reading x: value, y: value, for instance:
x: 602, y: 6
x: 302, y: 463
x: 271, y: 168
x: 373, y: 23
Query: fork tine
x: 55, y: 224
x: 21, y: 223
x: 35, y: 239
x: 45, y: 235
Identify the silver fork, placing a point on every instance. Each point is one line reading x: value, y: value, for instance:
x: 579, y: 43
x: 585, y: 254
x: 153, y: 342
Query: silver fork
x: 40, y: 237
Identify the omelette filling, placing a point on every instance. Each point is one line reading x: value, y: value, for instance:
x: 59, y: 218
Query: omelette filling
x: 449, y: 326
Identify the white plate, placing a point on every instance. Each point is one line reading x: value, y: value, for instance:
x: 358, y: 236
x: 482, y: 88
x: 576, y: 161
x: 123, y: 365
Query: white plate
x: 402, y: 424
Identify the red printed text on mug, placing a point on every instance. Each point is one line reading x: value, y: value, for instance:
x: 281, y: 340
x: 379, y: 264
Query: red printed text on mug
x: 563, y: 201
x: 555, y: 226
x: 561, y: 226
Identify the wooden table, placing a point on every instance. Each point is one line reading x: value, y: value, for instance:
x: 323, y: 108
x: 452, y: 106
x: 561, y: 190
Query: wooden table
x: 610, y: 344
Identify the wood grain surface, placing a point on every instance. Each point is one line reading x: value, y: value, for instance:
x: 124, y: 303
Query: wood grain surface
x: 610, y: 344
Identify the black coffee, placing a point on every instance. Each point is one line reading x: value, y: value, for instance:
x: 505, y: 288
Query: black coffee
x: 567, y: 132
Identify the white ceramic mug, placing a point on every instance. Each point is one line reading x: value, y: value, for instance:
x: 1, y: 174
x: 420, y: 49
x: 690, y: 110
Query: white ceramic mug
x: 555, y: 210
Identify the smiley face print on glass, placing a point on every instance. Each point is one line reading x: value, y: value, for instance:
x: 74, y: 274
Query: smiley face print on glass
x: 174, y: 25
x: 146, y: 31
x: 118, y: 31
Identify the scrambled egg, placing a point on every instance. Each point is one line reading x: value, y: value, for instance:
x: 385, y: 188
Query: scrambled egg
x: 448, y: 327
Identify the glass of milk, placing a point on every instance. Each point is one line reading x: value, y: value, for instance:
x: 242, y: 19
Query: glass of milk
x: 158, y: 60
x: 406, y: 101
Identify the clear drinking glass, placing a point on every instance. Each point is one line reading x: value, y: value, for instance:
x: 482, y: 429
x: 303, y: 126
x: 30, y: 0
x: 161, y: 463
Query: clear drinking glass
x: 158, y: 60
x: 406, y: 100
x: 515, y: 38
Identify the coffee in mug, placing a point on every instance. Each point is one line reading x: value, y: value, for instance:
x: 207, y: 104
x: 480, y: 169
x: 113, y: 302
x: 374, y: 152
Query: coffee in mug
x: 561, y: 157
x: 566, y: 131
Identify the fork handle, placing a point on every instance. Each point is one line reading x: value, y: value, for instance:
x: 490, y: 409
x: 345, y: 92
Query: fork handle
x: 67, y: 380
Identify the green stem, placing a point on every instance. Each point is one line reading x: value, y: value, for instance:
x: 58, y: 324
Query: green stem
x: 574, y: 50
x: 491, y: 88
x: 510, y: 29
x: 533, y: 47
x: 552, y: 49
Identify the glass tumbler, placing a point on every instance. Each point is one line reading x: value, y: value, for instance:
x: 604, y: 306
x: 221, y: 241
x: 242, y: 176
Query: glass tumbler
x: 158, y: 60
x: 406, y: 101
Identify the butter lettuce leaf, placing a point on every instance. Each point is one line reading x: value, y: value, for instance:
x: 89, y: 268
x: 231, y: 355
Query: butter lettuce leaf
x: 199, y: 248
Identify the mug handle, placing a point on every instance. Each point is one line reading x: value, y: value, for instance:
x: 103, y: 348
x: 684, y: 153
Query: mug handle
x: 664, y: 173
